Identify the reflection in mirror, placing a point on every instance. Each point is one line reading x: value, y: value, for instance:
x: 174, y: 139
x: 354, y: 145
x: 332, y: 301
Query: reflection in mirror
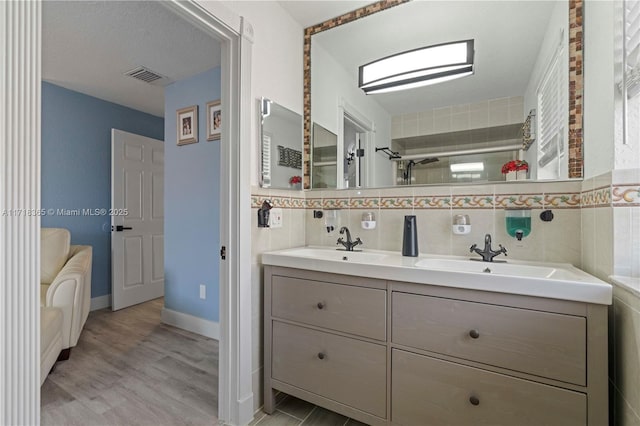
x: 455, y: 157
x: 324, y: 158
x: 521, y: 70
x: 281, y: 136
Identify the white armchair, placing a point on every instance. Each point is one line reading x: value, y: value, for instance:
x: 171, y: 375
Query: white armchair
x: 65, y: 282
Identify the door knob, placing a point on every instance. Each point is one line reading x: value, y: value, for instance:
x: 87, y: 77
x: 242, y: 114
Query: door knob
x: 120, y: 228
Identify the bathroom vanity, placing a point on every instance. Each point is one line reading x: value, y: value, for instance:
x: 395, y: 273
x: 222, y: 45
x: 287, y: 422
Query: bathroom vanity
x: 384, y: 341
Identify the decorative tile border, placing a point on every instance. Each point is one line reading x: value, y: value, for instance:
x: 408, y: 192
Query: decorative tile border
x: 281, y: 202
x: 432, y: 202
x: 511, y: 201
x: 335, y: 203
x: 619, y: 195
x: 257, y: 200
x: 456, y: 202
x: 313, y: 203
x: 472, y: 201
x: 562, y: 201
x: 364, y: 203
x: 598, y: 197
x: 627, y: 195
x: 278, y: 201
x: 396, y: 202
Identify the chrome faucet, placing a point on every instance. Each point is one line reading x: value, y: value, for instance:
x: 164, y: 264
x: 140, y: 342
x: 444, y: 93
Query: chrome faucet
x: 487, y: 254
x: 348, y: 245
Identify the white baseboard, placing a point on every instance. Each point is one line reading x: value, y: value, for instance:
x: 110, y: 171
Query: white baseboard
x: 100, y: 302
x: 190, y: 323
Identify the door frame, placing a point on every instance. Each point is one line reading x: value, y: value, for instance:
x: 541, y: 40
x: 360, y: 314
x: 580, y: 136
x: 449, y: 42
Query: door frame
x: 357, y: 117
x: 20, y: 390
x: 235, y: 394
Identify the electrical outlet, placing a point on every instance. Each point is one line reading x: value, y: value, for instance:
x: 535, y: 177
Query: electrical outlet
x: 203, y: 291
x: 275, y: 218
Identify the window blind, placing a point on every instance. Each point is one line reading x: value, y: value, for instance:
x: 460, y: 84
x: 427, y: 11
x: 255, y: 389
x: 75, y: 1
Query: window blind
x: 631, y: 81
x: 551, y: 113
x: 266, y: 160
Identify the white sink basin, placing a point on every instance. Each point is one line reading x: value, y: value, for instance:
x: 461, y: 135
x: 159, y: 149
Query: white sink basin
x: 340, y: 255
x: 549, y: 280
x: 511, y: 269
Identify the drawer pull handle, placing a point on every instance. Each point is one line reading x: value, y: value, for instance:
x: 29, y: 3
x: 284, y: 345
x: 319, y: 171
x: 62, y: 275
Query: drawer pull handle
x: 320, y: 355
x: 474, y: 400
x: 474, y: 334
x: 321, y: 305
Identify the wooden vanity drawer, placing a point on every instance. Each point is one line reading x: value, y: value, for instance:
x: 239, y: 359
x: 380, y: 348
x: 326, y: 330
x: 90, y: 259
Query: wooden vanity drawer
x: 539, y: 343
x: 349, y: 309
x: 347, y: 370
x: 429, y: 391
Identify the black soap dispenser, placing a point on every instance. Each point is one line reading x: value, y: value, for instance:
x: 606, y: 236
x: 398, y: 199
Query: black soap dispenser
x: 410, y: 237
x: 263, y: 214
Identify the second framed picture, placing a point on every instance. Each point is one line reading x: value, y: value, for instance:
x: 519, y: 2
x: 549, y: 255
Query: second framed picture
x: 214, y: 120
x: 187, y: 125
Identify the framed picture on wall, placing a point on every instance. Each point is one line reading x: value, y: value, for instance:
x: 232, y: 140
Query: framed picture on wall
x: 214, y: 120
x: 187, y: 125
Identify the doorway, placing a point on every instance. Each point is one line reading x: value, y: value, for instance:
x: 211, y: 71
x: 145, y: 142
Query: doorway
x: 137, y: 222
x: 235, y: 397
x: 355, y: 134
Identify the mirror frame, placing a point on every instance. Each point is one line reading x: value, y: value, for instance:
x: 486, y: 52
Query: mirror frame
x: 576, y: 158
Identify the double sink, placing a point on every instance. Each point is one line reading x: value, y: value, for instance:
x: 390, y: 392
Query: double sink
x: 550, y: 280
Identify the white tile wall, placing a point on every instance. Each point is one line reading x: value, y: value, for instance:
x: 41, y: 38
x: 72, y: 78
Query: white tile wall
x: 626, y: 357
x: 492, y: 112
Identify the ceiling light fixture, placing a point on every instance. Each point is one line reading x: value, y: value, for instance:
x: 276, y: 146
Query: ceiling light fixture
x: 467, y: 167
x: 418, y: 67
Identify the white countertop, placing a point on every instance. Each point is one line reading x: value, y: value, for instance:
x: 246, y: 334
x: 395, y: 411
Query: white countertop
x: 566, y: 283
x: 629, y: 283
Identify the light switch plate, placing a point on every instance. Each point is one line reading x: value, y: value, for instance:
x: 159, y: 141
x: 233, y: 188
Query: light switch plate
x: 275, y: 218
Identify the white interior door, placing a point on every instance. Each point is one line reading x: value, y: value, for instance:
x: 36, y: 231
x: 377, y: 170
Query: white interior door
x: 137, y: 219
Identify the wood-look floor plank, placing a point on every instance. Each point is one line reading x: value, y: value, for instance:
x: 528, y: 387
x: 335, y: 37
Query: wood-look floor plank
x: 129, y: 369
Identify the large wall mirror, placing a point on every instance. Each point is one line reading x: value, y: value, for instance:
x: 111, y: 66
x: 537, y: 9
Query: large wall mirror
x: 523, y: 100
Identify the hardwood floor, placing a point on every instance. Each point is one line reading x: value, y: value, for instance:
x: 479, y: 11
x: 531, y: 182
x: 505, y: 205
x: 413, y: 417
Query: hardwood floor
x: 129, y: 369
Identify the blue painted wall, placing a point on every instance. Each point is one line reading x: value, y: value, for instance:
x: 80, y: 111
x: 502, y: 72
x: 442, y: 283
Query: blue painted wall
x: 191, y: 200
x: 76, y: 167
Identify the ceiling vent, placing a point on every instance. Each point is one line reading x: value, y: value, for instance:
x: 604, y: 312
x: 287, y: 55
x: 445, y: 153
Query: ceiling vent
x: 148, y: 76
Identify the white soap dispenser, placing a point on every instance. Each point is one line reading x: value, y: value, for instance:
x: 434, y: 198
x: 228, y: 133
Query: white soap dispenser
x: 368, y: 220
x: 461, y: 224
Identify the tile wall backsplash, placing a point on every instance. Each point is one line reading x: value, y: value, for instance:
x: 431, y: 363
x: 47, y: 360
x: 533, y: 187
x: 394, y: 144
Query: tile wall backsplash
x: 435, y: 207
x: 611, y: 207
x: 587, y: 215
x: 454, y: 118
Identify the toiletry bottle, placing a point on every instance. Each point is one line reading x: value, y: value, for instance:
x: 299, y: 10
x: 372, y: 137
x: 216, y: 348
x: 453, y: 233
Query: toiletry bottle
x: 410, y: 237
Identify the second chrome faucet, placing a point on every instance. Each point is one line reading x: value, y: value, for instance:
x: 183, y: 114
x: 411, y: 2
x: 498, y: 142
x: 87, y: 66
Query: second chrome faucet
x: 349, y: 244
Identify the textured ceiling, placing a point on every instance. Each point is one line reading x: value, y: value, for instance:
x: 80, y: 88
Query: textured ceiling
x: 87, y: 45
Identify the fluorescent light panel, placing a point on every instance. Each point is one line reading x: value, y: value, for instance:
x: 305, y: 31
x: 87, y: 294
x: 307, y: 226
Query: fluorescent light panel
x: 467, y: 167
x: 419, y: 67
